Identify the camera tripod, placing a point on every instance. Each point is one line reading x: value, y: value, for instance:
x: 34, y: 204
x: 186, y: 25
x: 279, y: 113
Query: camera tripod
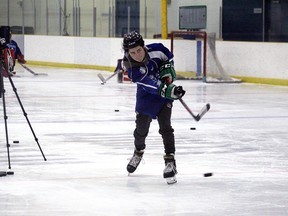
x: 3, y: 67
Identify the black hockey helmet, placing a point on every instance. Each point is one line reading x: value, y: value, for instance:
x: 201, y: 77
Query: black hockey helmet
x: 5, y: 35
x: 132, y: 40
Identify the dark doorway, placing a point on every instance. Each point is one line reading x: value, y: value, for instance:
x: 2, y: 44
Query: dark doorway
x: 276, y: 20
x: 255, y: 20
x: 243, y: 20
x: 123, y: 22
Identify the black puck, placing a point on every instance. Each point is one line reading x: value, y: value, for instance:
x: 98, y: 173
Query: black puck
x: 208, y: 174
x: 192, y: 128
x: 15, y: 141
x: 10, y: 172
x: 116, y: 110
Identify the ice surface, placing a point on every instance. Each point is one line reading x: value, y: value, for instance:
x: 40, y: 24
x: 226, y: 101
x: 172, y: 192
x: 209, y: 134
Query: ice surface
x: 242, y: 140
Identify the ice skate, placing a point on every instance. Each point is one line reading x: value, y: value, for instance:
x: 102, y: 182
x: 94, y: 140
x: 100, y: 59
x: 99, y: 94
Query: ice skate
x: 170, y: 170
x: 134, y: 161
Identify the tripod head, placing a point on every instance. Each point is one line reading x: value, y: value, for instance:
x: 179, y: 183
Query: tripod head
x: 5, y: 36
x: 7, y: 60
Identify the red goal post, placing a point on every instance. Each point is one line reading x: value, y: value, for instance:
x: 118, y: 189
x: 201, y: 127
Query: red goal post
x: 197, y: 34
x: 207, y: 61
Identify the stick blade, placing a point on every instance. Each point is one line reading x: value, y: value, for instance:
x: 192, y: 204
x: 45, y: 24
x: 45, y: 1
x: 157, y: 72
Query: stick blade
x: 203, y: 111
x: 41, y: 74
x: 101, y: 78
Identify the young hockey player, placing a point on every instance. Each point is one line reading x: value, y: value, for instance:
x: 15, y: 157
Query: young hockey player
x: 11, y: 53
x: 151, y: 68
x: 17, y: 52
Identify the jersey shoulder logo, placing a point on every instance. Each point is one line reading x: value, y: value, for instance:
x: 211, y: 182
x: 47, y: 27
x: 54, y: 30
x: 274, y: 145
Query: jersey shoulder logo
x: 142, y: 70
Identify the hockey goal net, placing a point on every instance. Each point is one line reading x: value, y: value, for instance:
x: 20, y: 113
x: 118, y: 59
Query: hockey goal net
x: 195, y: 56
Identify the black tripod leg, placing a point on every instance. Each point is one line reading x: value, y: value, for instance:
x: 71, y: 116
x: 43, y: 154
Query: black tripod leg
x: 6, y: 125
x: 25, y: 114
x: 9, y: 172
x: 6, y: 128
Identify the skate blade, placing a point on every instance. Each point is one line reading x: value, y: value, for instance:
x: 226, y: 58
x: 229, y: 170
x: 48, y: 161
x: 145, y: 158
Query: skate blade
x: 171, y: 180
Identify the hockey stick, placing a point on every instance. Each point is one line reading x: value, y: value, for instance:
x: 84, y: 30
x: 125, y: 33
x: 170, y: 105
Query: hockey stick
x: 31, y: 71
x: 203, y: 111
x: 105, y: 80
x: 117, y: 70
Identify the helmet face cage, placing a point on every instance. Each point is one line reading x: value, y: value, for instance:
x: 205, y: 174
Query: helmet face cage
x: 131, y: 40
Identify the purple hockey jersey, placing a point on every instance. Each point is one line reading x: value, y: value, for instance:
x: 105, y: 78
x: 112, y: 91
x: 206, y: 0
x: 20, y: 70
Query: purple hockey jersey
x: 146, y: 75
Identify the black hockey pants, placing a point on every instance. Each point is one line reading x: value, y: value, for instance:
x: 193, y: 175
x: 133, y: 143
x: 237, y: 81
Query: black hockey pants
x: 165, y: 129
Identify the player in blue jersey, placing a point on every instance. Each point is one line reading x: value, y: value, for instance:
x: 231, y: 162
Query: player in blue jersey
x: 11, y: 53
x: 151, y: 68
x: 13, y: 47
x: 17, y: 52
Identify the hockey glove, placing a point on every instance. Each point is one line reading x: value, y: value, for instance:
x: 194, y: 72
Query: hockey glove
x: 167, y: 71
x: 21, y: 59
x: 171, y: 91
